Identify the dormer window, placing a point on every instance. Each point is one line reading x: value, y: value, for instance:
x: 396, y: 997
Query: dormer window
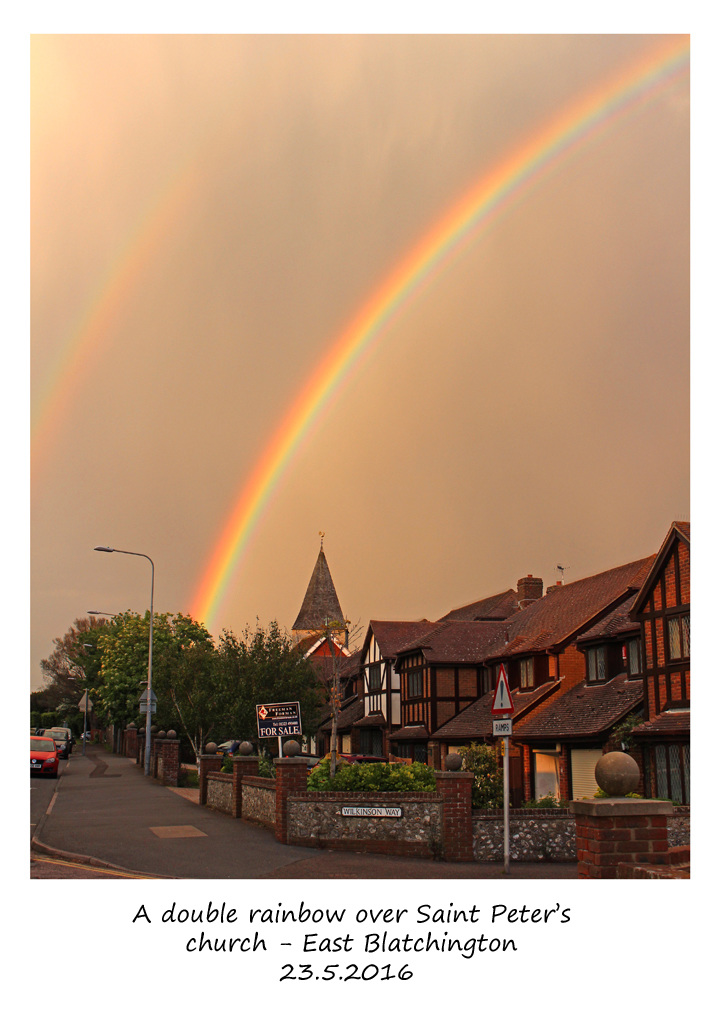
x: 634, y: 657
x: 527, y: 673
x: 596, y: 665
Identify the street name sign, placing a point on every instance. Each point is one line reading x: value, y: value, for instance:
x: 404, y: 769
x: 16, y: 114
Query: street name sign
x: 502, y: 701
x: 278, y: 719
x: 372, y: 812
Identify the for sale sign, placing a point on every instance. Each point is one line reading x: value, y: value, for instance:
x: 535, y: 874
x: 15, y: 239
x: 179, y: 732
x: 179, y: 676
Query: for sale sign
x: 278, y: 719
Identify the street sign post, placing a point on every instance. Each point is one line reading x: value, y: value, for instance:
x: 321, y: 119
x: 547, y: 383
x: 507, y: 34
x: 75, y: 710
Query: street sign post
x: 502, y: 705
x: 85, y: 705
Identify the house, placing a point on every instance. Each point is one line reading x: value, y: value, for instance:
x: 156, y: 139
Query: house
x: 662, y: 608
x: 543, y: 663
x: 381, y: 683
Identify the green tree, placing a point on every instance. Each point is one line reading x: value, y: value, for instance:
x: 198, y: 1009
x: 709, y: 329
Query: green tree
x: 483, y: 761
x: 182, y: 660
x: 263, y: 666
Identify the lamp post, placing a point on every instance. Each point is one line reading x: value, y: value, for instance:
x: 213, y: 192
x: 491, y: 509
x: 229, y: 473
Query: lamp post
x: 148, y: 726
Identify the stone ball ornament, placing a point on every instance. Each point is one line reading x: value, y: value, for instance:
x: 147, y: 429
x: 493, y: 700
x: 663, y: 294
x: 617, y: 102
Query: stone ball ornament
x: 246, y: 749
x: 171, y: 735
x: 161, y: 735
x: 291, y: 749
x: 617, y: 773
x: 210, y: 748
x: 453, y: 763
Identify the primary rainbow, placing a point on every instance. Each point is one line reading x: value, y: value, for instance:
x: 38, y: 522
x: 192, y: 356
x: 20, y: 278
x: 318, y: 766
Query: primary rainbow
x: 472, y: 214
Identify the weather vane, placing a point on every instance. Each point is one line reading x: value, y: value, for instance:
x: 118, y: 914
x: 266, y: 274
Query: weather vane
x: 321, y: 534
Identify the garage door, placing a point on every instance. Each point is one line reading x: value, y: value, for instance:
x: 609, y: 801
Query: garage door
x: 583, y: 781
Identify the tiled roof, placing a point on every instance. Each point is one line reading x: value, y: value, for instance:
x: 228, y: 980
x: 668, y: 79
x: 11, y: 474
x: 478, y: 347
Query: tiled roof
x: 558, y: 616
x: 670, y: 723
x: 475, y: 722
x: 321, y: 601
x: 376, y: 720
x: 391, y: 635
x: 584, y: 711
x: 349, y: 714
x: 613, y: 624
x: 409, y: 733
x: 457, y: 642
x: 499, y: 606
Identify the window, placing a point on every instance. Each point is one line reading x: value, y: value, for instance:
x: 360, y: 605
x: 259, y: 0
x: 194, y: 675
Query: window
x: 596, y: 665
x: 374, y: 677
x: 415, y: 682
x: 527, y: 673
x: 679, y: 632
x: 371, y: 742
x: 634, y: 657
x: 672, y: 764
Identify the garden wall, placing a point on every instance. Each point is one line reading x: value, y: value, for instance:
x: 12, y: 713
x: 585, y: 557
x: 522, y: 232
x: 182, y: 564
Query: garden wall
x: 545, y: 834
x: 258, y: 800
x: 219, y: 792
x: 317, y: 819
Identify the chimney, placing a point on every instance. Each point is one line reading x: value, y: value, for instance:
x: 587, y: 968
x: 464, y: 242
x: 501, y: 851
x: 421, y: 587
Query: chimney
x: 555, y: 586
x: 529, y: 589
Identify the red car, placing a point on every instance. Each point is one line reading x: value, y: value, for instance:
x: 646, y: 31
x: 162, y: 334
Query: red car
x: 44, y: 759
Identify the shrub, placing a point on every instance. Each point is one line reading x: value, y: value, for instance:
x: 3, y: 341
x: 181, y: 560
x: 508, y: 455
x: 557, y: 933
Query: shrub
x: 546, y: 801
x: 377, y: 777
x: 483, y: 761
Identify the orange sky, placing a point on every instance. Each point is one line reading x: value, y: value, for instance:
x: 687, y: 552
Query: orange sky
x: 221, y: 205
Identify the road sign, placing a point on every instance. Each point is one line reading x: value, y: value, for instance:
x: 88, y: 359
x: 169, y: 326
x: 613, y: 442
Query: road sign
x: 278, y: 719
x: 502, y: 701
x: 147, y: 698
x: 502, y: 727
x: 85, y: 704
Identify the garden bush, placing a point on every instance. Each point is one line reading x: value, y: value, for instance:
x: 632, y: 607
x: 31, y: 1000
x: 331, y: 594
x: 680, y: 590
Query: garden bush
x: 483, y: 761
x: 376, y: 777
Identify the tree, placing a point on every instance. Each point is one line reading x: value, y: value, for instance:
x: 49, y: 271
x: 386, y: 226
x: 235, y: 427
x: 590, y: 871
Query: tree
x: 263, y: 666
x: 73, y: 665
x: 334, y: 683
x: 181, y: 671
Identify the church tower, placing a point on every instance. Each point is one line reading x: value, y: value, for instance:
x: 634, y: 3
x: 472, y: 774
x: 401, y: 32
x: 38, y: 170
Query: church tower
x: 320, y: 603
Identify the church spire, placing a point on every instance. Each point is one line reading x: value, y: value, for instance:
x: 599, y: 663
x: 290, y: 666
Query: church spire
x: 321, y: 602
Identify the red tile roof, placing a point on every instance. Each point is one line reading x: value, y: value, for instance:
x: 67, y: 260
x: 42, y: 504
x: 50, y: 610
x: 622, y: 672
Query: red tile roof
x: 565, y: 611
x: 475, y: 722
x: 669, y: 723
x: 391, y: 635
x: 613, y: 624
x: 499, y: 606
x: 457, y: 642
x: 587, y: 710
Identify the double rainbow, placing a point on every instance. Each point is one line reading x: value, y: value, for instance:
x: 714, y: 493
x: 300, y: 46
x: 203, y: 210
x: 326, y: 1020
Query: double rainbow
x: 462, y: 224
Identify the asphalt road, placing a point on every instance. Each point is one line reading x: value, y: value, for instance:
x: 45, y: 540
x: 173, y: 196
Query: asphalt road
x: 107, y: 814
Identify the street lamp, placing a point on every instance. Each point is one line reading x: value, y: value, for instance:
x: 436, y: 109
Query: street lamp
x: 148, y: 726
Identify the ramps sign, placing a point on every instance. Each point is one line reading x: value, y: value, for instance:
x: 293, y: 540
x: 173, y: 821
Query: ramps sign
x: 278, y: 719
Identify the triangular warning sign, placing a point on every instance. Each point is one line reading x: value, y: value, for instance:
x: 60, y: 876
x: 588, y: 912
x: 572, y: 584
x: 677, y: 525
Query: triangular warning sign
x: 502, y: 701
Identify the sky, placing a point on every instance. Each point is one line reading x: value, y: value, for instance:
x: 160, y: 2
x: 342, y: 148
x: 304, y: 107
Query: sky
x: 209, y: 215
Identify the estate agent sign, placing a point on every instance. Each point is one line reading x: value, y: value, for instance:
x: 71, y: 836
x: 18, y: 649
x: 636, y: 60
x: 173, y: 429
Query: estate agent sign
x: 278, y: 719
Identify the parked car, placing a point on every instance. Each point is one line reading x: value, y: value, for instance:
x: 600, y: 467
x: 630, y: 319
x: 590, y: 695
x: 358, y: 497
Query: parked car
x: 44, y: 759
x: 63, y: 739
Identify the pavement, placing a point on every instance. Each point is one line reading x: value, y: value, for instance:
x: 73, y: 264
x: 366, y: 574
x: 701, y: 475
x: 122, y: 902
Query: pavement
x: 108, y: 814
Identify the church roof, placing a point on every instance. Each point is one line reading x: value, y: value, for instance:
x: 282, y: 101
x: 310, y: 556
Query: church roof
x: 321, y: 601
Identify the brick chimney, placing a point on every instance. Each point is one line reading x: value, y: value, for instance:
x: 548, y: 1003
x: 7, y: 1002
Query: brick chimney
x: 529, y: 589
x: 555, y: 586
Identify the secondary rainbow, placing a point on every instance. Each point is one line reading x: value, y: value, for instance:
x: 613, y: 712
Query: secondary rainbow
x: 466, y: 220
